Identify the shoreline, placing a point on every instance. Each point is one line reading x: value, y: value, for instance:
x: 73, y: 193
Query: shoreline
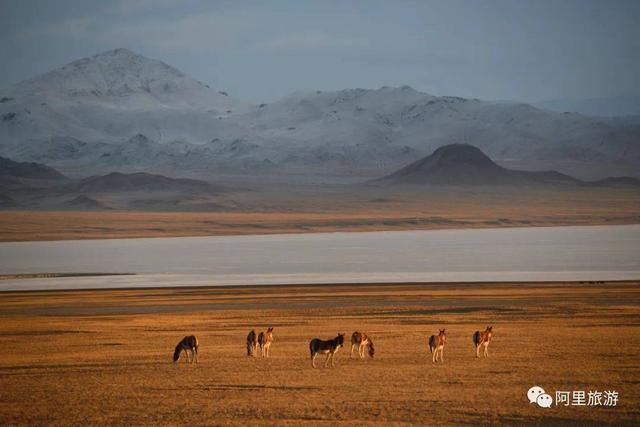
x: 317, y: 287
x: 363, y: 229
x: 54, y: 226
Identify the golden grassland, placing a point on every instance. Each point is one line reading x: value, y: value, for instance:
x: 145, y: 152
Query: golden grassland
x: 104, y: 357
x: 368, y: 210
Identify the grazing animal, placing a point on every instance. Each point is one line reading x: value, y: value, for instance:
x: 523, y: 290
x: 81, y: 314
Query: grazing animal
x: 264, y: 341
x: 252, y: 343
x: 360, y: 340
x: 330, y: 348
x: 436, y: 345
x: 483, y: 339
x: 188, y: 343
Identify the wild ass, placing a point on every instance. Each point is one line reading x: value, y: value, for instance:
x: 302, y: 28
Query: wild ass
x: 329, y: 348
x: 252, y: 343
x: 483, y: 339
x: 360, y: 340
x: 264, y: 341
x: 436, y: 345
x: 188, y: 343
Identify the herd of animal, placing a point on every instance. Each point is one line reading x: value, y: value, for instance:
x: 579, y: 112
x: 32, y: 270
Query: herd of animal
x: 261, y: 343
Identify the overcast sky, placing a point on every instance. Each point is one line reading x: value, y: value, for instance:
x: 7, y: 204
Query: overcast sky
x: 259, y: 51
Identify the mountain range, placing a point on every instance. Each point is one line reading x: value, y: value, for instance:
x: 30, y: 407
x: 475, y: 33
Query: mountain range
x: 34, y: 185
x: 119, y: 110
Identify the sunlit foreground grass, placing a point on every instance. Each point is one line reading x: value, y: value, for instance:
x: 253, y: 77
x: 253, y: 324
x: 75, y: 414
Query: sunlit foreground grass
x: 104, y: 357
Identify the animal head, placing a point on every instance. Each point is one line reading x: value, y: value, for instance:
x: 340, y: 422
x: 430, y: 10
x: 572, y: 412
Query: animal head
x: 340, y: 340
x: 270, y: 330
x: 176, y: 353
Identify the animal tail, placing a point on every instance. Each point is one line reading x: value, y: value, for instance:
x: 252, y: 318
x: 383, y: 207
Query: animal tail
x: 476, y: 338
x: 432, y: 343
x: 311, y: 348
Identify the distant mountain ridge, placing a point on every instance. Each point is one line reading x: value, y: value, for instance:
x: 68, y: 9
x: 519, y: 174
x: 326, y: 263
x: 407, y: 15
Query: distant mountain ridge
x: 119, y: 109
x: 613, y: 106
x: 117, y: 182
x: 115, y: 190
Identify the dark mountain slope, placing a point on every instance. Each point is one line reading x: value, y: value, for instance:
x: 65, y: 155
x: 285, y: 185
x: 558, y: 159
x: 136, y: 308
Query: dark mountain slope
x: 28, y: 170
x: 466, y: 165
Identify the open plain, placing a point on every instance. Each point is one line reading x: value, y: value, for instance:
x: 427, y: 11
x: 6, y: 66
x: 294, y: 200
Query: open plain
x: 303, y: 210
x: 104, y: 356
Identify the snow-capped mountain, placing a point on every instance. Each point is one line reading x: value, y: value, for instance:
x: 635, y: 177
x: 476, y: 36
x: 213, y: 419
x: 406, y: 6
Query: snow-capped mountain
x: 121, y: 78
x: 121, y: 111
x: 385, y: 125
x: 108, y: 98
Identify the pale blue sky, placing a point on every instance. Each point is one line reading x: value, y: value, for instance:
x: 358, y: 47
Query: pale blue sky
x: 262, y: 50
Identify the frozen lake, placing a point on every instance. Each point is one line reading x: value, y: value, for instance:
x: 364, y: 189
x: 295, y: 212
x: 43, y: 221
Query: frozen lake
x: 505, y: 254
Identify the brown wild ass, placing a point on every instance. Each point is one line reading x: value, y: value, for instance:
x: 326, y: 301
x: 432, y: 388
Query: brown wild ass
x: 252, y: 343
x: 329, y: 347
x: 360, y: 340
x: 483, y: 339
x: 436, y: 345
x: 264, y: 341
x: 188, y: 343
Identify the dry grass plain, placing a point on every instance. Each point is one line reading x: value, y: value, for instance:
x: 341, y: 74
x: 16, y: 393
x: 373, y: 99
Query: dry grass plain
x: 104, y: 357
x: 263, y: 212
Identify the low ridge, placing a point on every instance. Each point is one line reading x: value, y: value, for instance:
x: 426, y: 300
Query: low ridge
x: 28, y: 170
x: 141, y: 181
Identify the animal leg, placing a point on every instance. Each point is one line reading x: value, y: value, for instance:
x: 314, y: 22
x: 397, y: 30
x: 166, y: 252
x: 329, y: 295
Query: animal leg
x: 434, y: 354
x: 313, y: 359
x: 486, y: 351
x: 353, y: 347
x: 361, y: 352
x: 196, y: 350
x: 442, y: 354
x: 477, y: 351
x: 326, y: 361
